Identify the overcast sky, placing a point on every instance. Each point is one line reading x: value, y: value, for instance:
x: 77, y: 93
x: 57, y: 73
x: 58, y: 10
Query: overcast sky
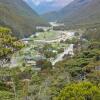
x: 42, y: 6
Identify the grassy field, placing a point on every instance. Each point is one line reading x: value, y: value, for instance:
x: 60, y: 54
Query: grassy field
x: 50, y: 35
x: 59, y: 45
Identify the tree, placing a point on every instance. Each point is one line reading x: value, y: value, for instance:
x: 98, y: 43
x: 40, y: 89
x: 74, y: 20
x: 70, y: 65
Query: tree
x: 8, y: 43
x: 44, y: 64
x: 80, y: 91
x: 6, y: 95
x: 49, y: 54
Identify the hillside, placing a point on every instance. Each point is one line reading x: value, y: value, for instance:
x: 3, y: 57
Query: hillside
x: 80, y: 12
x: 17, y: 15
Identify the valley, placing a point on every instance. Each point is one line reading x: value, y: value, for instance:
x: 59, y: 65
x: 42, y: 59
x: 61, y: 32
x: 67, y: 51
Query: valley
x: 53, y: 56
x: 42, y: 64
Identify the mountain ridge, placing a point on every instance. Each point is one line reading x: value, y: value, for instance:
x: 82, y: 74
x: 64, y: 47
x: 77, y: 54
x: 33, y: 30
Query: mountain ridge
x: 77, y: 12
x: 17, y: 15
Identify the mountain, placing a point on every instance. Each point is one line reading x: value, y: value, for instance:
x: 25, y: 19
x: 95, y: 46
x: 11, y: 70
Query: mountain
x: 51, y: 16
x: 78, y: 12
x: 17, y: 15
x: 43, y: 6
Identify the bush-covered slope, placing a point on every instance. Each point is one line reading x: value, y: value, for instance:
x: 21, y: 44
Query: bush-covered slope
x: 8, y: 43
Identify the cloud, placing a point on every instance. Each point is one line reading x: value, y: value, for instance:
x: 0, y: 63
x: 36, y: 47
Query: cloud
x: 54, y: 2
x: 61, y: 3
x: 43, y: 6
x: 38, y: 2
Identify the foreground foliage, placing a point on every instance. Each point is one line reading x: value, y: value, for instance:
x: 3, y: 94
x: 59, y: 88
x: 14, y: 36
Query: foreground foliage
x: 80, y: 91
x: 8, y: 43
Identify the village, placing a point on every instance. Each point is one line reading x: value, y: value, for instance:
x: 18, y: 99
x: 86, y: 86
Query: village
x: 48, y: 45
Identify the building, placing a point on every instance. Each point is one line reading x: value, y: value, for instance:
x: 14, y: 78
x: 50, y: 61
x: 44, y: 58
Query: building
x: 55, y: 24
x: 44, y: 28
x: 32, y: 61
x: 26, y: 40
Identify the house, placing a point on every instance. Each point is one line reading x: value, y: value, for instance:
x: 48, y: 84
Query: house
x: 44, y: 28
x: 26, y: 40
x: 32, y: 61
x: 97, y: 68
x: 36, y: 69
x: 55, y: 24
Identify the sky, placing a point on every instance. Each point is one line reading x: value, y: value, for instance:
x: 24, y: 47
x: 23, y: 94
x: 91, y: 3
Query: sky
x: 44, y: 6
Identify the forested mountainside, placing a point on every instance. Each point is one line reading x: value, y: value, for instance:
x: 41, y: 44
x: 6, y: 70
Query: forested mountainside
x: 78, y: 12
x: 17, y: 15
